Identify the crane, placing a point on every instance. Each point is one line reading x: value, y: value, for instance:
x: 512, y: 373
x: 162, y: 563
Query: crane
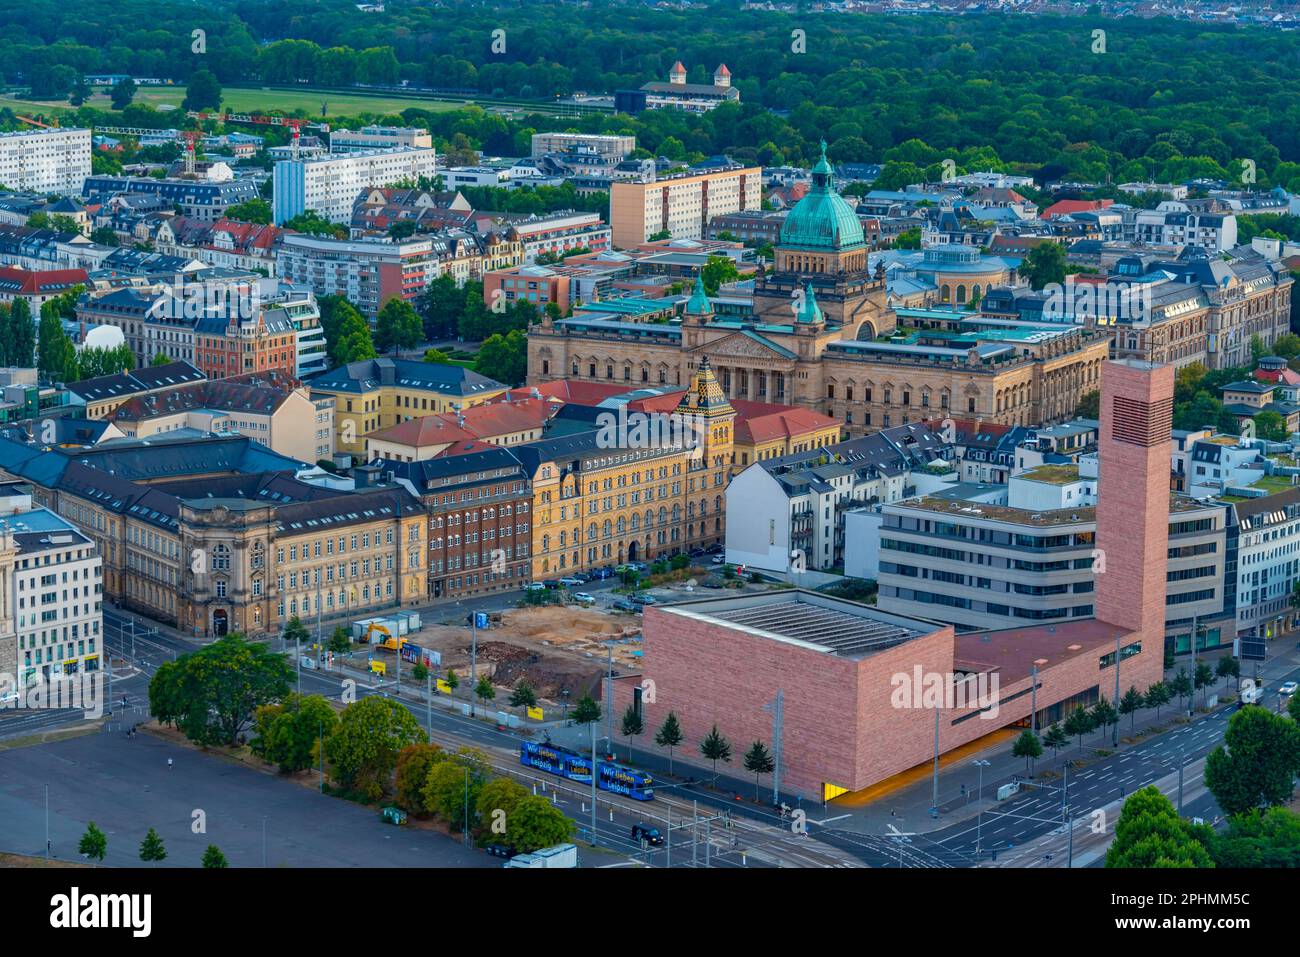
x: 292, y: 122
x: 35, y: 122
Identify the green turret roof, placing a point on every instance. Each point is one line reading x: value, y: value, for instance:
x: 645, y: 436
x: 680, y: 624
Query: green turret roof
x: 809, y: 311
x: 699, y: 304
x: 822, y: 219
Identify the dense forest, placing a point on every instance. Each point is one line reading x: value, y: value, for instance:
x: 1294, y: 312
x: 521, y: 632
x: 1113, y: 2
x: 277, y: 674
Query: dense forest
x: 1166, y: 99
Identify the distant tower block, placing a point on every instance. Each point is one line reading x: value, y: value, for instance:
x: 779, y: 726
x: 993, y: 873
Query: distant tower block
x: 1137, y: 403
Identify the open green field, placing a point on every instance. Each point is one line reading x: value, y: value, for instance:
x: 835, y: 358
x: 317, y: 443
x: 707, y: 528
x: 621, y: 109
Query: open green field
x: 247, y: 100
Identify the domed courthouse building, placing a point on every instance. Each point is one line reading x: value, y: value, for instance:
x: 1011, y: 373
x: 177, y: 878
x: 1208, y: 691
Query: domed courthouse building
x: 824, y: 333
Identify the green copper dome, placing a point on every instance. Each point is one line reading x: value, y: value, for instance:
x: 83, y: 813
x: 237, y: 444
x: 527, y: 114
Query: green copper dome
x: 822, y: 219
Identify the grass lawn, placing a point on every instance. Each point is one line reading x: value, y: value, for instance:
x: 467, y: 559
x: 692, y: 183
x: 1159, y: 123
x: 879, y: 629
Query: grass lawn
x: 244, y: 101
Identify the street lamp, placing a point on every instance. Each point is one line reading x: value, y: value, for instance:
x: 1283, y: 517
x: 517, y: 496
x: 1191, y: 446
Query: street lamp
x: 979, y: 800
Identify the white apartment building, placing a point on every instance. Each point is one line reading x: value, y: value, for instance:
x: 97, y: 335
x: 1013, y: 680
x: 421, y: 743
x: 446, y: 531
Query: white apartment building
x: 682, y: 204
x: 368, y: 274
x: 610, y: 145
x: 45, y: 161
x: 52, y: 579
x: 374, y: 137
x: 560, y: 232
x: 1173, y: 224
x: 329, y: 185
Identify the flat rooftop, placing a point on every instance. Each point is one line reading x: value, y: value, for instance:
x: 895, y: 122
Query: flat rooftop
x: 1013, y: 652
x: 814, y: 621
x: 1052, y: 474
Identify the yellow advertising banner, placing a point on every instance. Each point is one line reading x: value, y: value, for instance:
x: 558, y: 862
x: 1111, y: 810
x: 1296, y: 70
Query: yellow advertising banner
x: 535, y: 713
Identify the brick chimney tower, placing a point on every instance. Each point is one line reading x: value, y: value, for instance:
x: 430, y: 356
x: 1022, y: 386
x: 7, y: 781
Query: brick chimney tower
x: 1137, y: 403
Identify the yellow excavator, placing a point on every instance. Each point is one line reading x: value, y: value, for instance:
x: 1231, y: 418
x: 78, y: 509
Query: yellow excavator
x: 390, y: 641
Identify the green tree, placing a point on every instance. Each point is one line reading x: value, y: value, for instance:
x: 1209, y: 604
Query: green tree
x: 1150, y: 833
x: 523, y: 696
x: 1260, y: 839
x: 255, y: 210
x: 151, y: 848
x: 1029, y: 747
x: 631, y: 725
x: 295, y: 632
x: 716, y: 748
x: 536, y: 823
x: 758, y: 760
x: 717, y: 271
x: 452, y: 679
x: 212, y: 693
x: 213, y: 857
x: 123, y: 93
x: 1271, y: 426
x: 414, y: 762
x: 503, y: 358
x: 340, y: 641
x: 1227, y: 668
x: 105, y: 236
x: 94, y: 844
x: 161, y: 359
x: 1104, y: 715
x: 1181, y: 686
x: 56, y: 356
x: 454, y: 784
x: 20, y: 335
x: 1078, y: 723
x: 363, y: 751
x: 908, y: 239
x: 586, y: 711
x: 1089, y: 406
x: 1130, y: 704
x: 289, y: 734
x: 484, y: 690
x: 1202, y: 677
x: 437, y: 357
x: 669, y: 736
x: 496, y: 804
x: 1044, y: 265
x: 440, y: 307
x: 1157, y: 696
x: 203, y: 92
x: 1257, y: 763
x: 398, y: 326
x: 1056, y: 739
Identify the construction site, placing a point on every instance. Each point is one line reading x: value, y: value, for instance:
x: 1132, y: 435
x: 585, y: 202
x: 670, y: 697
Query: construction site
x: 557, y: 648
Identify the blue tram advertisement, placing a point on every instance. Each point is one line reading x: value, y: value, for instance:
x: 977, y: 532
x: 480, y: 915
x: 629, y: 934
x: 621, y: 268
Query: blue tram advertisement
x: 624, y: 780
x: 556, y: 760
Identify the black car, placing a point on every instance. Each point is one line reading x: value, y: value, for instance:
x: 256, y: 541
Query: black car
x: 551, y: 583
x: 500, y: 850
x: 651, y: 835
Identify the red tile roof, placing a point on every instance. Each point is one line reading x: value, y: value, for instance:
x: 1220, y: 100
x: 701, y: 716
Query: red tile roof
x: 1064, y: 207
x: 763, y: 422
x: 27, y: 282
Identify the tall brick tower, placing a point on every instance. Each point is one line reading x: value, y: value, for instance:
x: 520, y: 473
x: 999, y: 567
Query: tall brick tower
x: 1137, y: 403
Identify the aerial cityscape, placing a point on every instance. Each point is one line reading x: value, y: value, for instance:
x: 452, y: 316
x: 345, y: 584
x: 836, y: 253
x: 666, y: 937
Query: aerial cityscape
x: 654, y: 436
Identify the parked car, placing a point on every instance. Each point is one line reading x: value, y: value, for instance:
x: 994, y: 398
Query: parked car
x: 623, y: 604
x: 719, y: 559
x: 582, y: 598
x: 1287, y: 689
x: 501, y: 850
x: 643, y: 599
x: 651, y: 835
x: 534, y: 586
x: 571, y: 582
x: 551, y: 583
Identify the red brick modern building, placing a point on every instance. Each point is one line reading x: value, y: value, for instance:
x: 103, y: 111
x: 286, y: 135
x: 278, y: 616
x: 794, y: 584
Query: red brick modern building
x: 861, y: 688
